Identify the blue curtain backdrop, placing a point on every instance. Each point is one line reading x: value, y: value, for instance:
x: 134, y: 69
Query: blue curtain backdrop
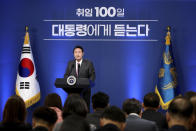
x: 124, y: 69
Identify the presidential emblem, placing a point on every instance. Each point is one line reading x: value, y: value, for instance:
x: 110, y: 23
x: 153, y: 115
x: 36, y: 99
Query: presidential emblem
x: 71, y: 80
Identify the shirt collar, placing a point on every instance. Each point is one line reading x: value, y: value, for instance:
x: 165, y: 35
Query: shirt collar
x: 79, y: 62
x: 134, y: 114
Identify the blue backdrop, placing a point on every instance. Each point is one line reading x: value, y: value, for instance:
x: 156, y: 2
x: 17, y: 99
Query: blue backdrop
x: 124, y: 69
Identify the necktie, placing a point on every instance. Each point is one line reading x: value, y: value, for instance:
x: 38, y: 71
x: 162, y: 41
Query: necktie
x: 78, y: 68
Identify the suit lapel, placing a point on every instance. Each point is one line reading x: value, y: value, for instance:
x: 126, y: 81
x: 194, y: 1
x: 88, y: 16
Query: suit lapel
x: 82, y: 66
x: 74, y: 72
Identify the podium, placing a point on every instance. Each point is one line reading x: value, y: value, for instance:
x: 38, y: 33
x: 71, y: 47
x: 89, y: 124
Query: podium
x: 80, y: 85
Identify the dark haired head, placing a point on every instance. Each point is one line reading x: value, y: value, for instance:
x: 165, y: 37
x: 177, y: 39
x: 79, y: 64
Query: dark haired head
x: 181, y: 108
x: 132, y: 106
x: 45, y: 114
x: 114, y: 113
x: 100, y: 100
x: 193, y: 101
x: 14, y: 110
x: 53, y: 100
x: 78, y: 46
x: 189, y: 94
x: 74, y: 104
x: 74, y: 123
x: 151, y: 100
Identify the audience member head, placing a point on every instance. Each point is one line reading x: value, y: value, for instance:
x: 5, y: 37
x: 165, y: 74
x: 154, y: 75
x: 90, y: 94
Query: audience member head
x: 74, y: 123
x: 193, y: 123
x: 151, y: 101
x: 113, y: 115
x: 74, y: 104
x: 132, y: 106
x: 100, y: 100
x: 53, y: 100
x: 44, y: 117
x: 189, y: 94
x: 179, y: 112
x: 14, y: 110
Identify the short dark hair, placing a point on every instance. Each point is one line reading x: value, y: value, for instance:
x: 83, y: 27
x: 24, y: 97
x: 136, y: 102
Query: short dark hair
x: 45, y: 114
x: 113, y: 113
x: 181, y: 108
x: 74, y: 123
x: 193, y: 101
x: 132, y: 106
x: 74, y: 104
x: 189, y: 94
x: 78, y: 46
x: 151, y: 100
x: 53, y: 100
x: 14, y: 110
x: 100, y: 100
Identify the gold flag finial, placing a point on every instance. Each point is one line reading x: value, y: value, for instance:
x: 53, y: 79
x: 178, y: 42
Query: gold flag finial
x: 168, y: 28
x: 26, y: 41
x: 26, y: 28
x: 168, y: 37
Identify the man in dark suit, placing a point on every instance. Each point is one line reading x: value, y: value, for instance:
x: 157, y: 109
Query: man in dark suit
x: 132, y: 108
x: 81, y: 68
x: 179, y: 115
x: 100, y: 101
x: 151, y: 104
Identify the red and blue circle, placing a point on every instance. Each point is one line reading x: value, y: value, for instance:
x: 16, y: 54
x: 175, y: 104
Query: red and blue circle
x: 26, y: 67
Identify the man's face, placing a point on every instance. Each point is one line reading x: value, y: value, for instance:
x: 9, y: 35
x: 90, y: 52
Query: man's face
x: 78, y: 54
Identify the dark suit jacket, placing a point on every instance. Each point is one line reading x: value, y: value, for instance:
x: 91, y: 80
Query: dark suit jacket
x: 15, y: 127
x: 157, y: 117
x: 40, y: 128
x: 108, y: 127
x: 177, y: 128
x: 86, y: 70
x: 94, y: 118
x: 135, y: 123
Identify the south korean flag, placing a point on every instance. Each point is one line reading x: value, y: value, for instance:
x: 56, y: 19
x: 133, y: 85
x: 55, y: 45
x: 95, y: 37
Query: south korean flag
x: 27, y: 85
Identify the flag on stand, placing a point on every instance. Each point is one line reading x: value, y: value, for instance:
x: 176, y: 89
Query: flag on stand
x: 167, y: 86
x: 27, y: 85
